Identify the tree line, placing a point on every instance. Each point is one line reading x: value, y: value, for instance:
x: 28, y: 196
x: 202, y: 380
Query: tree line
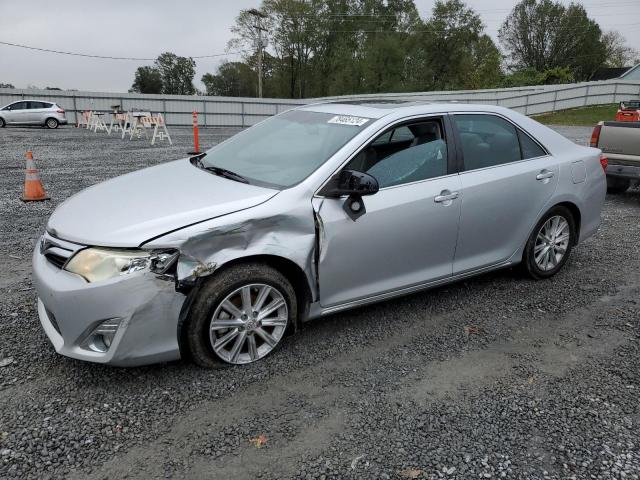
x: 315, y: 48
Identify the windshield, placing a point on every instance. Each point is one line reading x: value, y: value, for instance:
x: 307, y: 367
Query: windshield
x: 285, y: 149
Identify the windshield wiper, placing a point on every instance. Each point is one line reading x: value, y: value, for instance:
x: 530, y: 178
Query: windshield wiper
x: 222, y: 172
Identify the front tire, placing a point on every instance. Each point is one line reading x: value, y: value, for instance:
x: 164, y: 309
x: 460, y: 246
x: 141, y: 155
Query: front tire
x: 2, y: 123
x: 550, y: 244
x: 51, y: 123
x: 240, y: 315
x: 617, y: 186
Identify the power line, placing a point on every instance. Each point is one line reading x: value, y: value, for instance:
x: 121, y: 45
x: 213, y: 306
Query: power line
x: 361, y: 31
x: 105, y: 57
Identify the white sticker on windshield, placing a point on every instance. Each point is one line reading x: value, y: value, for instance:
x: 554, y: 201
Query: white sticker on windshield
x: 348, y: 120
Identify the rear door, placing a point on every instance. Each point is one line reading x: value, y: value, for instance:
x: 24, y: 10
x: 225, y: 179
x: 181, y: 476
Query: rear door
x: 37, y: 112
x: 507, y: 178
x: 407, y: 236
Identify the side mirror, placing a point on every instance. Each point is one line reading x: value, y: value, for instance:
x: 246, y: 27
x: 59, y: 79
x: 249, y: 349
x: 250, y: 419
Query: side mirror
x: 354, y: 184
x: 350, y: 182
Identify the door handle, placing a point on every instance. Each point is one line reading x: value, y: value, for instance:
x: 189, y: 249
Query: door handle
x: 445, y: 196
x: 544, y: 175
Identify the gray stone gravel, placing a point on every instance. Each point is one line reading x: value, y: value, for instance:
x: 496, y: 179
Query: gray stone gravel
x: 547, y: 388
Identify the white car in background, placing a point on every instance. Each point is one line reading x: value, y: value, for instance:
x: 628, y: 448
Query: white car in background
x: 32, y: 112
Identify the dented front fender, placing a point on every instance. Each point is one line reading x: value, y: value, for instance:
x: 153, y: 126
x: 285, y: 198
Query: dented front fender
x: 280, y: 228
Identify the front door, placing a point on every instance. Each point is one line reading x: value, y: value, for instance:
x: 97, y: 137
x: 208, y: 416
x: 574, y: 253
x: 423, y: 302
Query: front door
x: 507, y: 180
x: 16, y: 112
x: 407, y: 236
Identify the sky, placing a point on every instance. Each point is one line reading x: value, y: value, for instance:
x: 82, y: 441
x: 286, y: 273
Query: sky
x: 144, y: 29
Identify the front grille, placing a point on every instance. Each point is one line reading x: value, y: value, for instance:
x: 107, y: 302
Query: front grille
x: 57, y: 260
x: 57, y: 251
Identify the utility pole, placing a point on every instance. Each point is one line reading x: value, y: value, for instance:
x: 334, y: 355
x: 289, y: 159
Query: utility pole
x: 258, y: 26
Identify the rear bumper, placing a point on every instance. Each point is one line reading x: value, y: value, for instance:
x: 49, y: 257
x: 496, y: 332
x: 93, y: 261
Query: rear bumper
x: 623, y: 171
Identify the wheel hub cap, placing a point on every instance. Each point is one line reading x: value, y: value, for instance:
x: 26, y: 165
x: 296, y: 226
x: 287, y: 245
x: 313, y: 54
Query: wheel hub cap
x: 552, y: 242
x: 248, y: 323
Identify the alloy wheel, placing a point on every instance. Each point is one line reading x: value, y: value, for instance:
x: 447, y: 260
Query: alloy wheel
x: 248, y: 323
x: 52, y: 123
x: 552, y: 242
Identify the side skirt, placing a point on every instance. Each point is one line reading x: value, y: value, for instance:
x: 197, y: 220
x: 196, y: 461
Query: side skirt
x: 317, y: 310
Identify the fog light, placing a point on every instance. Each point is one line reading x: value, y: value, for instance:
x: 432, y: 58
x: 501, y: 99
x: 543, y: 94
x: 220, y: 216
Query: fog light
x: 101, y: 338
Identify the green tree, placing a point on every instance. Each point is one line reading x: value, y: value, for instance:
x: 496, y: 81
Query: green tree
x: 487, y: 60
x: 234, y: 79
x: 177, y: 74
x: 147, y: 80
x: 6, y: 85
x: 556, y: 76
x: 337, y: 47
x: 458, y: 54
x: 543, y: 34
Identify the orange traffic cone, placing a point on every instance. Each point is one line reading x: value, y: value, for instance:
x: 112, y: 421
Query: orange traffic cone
x: 33, y: 189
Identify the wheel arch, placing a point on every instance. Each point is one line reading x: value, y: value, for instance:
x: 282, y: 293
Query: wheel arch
x: 292, y: 271
x: 577, y: 217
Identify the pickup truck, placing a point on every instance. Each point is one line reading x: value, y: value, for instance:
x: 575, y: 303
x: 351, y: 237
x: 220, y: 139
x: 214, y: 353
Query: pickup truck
x: 620, y: 143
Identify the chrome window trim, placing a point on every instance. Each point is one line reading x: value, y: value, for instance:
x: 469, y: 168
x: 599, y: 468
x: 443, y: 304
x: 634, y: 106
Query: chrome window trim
x: 371, y: 138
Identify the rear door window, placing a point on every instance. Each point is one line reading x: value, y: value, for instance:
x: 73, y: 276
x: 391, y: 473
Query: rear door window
x: 487, y: 141
x: 34, y: 105
x: 530, y: 149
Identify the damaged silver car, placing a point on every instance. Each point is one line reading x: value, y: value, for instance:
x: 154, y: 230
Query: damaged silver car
x: 316, y: 210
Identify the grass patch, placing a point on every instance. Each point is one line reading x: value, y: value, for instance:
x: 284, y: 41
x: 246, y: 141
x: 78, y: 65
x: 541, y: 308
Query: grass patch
x: 585, y: 116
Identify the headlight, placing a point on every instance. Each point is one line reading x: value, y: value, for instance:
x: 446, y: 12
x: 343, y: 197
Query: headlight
x: 97, y: 264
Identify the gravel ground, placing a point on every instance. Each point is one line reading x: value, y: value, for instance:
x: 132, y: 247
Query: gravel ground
x: 494, y: 377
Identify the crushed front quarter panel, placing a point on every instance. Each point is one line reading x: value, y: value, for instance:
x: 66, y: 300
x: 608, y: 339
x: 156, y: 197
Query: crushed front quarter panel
x: 282, y: 227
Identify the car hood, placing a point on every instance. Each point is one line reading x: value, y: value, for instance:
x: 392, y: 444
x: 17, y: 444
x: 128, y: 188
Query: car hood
x: 129, y: 210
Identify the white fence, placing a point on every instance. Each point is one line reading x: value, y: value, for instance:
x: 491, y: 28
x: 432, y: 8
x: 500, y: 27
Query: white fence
x: 243, y: 112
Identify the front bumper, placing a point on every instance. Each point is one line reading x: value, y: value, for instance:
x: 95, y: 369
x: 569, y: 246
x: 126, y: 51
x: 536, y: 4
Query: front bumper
x: 70, y: 308
x: 623, y: 171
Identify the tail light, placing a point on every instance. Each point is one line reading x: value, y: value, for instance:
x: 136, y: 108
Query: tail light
x: 60, y: 110
x: 595, y: 136
x: 604, y: 161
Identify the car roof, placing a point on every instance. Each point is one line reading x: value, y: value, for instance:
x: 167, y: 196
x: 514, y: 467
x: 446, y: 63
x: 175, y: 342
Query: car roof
x: 31, y: 100
x: 378, y: 108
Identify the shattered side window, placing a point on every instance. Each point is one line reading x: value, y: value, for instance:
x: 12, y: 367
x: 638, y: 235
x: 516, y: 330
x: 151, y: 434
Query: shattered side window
x: 285, y: 149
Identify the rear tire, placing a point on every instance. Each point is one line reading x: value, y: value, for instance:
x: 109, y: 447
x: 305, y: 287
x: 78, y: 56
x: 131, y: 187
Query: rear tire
x: 51, y: 123
x: 550, y: 244
x: 617, y: 186
x: 222, y: 312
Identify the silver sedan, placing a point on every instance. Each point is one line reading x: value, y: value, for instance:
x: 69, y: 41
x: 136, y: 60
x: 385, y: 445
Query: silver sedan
x: 313, y: 211
x: 32, y: 112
